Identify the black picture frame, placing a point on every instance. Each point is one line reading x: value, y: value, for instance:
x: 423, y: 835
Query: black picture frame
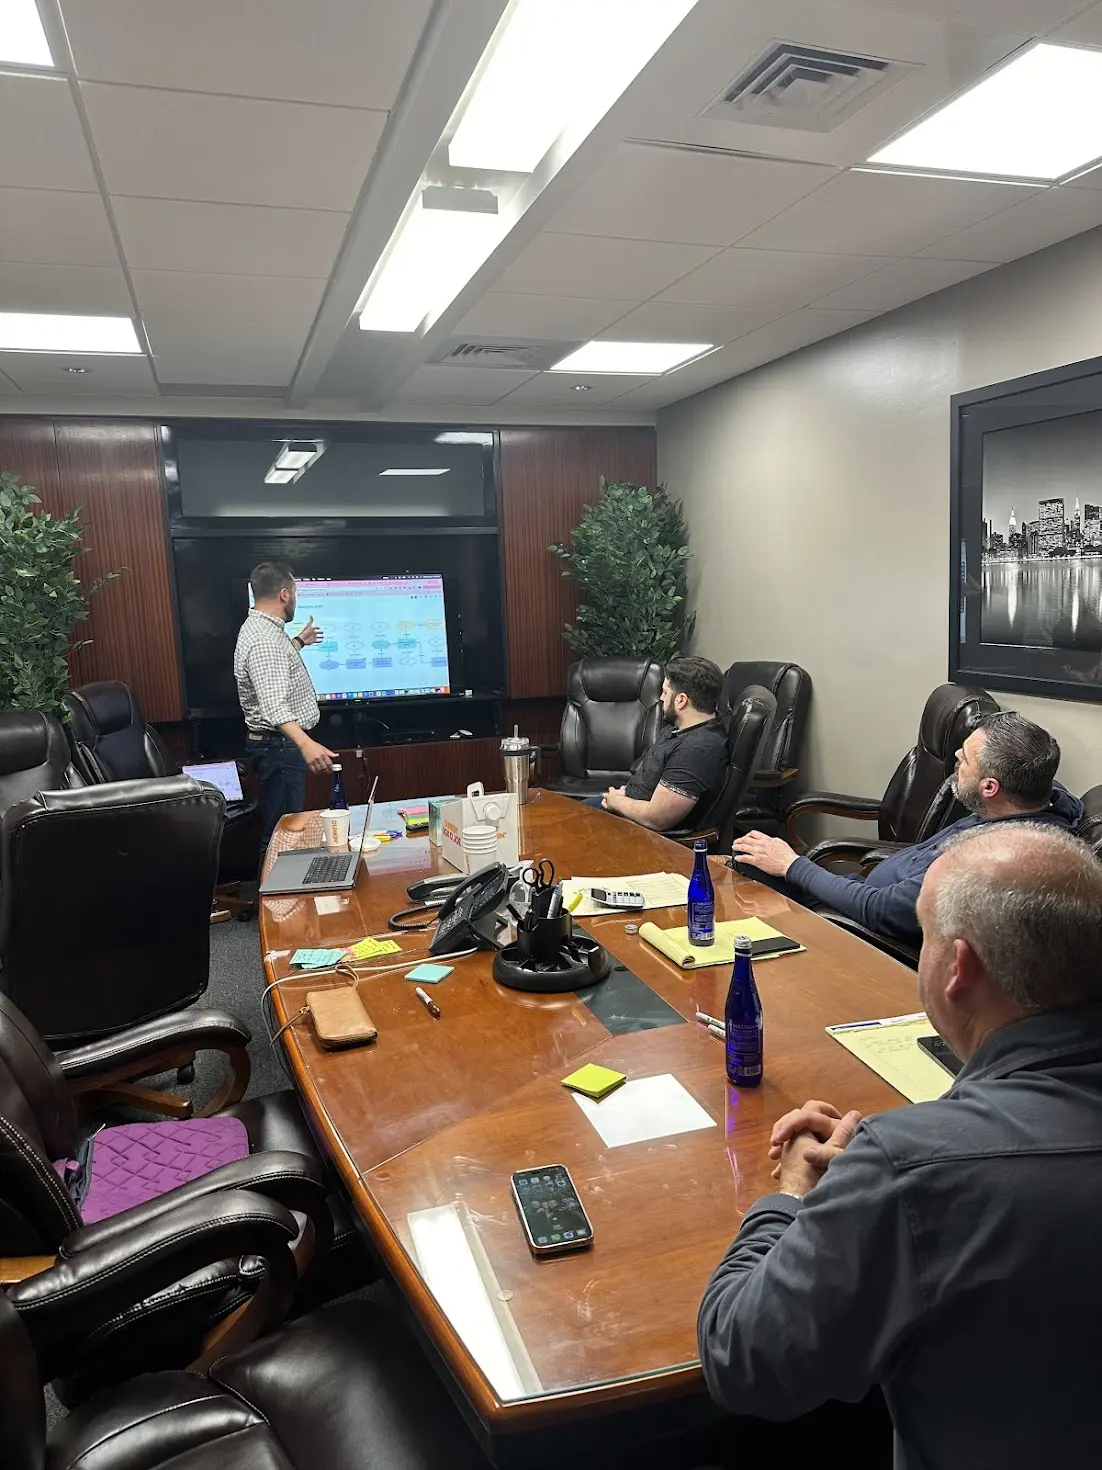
x: 1019, y: 619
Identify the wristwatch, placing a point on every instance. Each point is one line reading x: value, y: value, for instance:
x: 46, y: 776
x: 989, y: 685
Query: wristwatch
x: 297, y: 641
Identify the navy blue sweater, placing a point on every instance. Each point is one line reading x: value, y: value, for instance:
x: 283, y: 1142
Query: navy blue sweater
x: 885, y: 900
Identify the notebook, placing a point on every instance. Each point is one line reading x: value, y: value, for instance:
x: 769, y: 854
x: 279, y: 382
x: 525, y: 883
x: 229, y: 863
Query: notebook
x: 767, y: 943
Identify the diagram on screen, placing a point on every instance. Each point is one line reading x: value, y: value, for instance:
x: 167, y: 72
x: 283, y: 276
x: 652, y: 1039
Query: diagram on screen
x: 386, y: 636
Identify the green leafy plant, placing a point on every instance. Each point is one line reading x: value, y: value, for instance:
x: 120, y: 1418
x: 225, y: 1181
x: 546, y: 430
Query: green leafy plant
x: 41, y: 598
x: 629, y: 556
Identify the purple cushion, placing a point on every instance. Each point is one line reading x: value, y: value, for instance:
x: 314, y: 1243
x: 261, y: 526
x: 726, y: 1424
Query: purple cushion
x: 140, y: 1161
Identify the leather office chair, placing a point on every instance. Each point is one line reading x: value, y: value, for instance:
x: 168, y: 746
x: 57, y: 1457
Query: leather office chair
x: 112, y: 742
x: 613, y: 712
x: 34, y: 757
x: 790, y: 685
x: 105, y: 897
x: 747, y: 736
x: 122, y: 1180
x: 918, y: 800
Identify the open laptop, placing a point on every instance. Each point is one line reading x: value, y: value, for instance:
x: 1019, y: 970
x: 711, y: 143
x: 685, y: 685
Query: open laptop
x: 222, y: 774
x: 316, y: 869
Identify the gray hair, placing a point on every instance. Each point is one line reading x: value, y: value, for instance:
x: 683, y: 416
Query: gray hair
x: 1028, y: 901
x: 1021, y: 756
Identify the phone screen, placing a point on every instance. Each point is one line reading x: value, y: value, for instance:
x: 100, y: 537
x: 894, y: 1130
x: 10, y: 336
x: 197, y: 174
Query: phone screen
x: 552, y: 1211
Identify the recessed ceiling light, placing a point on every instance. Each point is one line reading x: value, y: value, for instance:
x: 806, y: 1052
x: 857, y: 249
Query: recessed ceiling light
x: 280, y: 477
x: 646, y: 358
x: 22, y: 331
x: 1037, y: 117
x: 443, y: 471
x: 583, y: 387
x: 296, y: 454
x: 75, y: 370
x: 464, y: 436
x: 22, y: 39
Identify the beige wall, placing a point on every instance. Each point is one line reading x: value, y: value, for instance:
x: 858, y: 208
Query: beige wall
x: 817, y: 493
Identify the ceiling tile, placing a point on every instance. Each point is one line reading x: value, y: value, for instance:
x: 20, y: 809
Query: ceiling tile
x: 672, y: 321
x: 881, y: 214
x: 1030, y: 225
x: 55, y: 228
x: 234, y: 150
x: 44, y: 372
x: 588, y: 265
x: 41, y: 142
x: 654, y: 193
x: 228, y: 239
x: 64, y: 288
x: 1030, y: 16
x: 6, y: 385
x: 900, y: 282
x: 440, y: 385
x: 785, y: 279
x: 351, y: 53
x: 226, y: 329
x: 547, y: 318
x: 557, y: 390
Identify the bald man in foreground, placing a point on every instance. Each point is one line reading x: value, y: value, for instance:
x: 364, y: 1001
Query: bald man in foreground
x: 949, y: 1251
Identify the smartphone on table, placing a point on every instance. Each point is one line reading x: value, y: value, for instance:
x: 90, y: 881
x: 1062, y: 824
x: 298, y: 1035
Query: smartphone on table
x: 934, y: 1047
x: 550, y: 1210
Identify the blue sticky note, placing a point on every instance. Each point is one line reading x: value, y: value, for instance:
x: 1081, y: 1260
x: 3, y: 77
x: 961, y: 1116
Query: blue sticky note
x: 429, y: 974
x: 316, y: 959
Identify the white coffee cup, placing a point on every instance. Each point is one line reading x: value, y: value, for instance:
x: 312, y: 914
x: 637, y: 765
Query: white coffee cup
x: 334, y: 826
x: 480, y: 841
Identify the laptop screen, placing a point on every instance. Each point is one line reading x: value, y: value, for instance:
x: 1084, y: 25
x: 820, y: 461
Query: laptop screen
x: 222, y: 774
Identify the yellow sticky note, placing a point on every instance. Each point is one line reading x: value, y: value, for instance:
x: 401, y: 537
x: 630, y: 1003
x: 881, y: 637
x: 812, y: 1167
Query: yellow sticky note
x: 368, y: 949
x: 594, y: 1081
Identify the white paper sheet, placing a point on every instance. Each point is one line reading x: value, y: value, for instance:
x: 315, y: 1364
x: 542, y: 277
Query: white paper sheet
x: 659, y: 890
x: 646, y: 1107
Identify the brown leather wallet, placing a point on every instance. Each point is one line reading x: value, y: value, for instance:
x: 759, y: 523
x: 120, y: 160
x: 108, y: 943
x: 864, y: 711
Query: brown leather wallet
x: 339, y: 1018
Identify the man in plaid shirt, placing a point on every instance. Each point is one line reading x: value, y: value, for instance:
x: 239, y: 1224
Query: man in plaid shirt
x: 277, y: 696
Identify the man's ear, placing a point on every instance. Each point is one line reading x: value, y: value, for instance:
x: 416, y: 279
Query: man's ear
x: 966, y: 972
x: 989, y: 788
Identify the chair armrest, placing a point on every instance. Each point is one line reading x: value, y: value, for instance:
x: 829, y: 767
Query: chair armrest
x: 906, y: 954
x: 291, y: 1180
x: 158, y: 1045
x: 832, y: 803
x: 61, y: 1307
x: 839, y: 849
x: 769, y: 780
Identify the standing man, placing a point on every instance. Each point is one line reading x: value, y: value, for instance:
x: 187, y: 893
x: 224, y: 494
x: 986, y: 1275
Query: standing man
x: 277, y: 696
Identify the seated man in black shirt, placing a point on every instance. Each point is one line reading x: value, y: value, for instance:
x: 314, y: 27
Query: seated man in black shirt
x: 677, y: 779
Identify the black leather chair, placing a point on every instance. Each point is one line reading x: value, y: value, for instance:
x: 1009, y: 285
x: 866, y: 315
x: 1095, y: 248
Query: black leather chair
x: 918, y: 800
x: 613, y: 712
x: 105, y: 898
x: 767, y: 800
x: 747, y: 736
x: 34, y: 757
x: 112, y: 742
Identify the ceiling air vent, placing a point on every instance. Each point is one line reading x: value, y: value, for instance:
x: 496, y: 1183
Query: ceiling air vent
x: 805, y: 87
x: 530, y: 355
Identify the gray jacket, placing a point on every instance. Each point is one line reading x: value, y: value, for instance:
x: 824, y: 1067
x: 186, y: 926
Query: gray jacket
x: 950, y: 1255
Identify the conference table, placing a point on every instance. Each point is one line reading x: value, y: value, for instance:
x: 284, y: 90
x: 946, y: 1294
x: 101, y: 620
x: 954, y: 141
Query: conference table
x: 426, y: 1124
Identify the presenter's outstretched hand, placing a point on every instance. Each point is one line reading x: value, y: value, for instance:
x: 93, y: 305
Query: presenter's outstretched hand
x: 309, y: 635
x: 317, y: 757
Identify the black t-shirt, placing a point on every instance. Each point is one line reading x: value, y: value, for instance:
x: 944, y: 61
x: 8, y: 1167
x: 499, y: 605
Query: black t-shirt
x: 692, y: 762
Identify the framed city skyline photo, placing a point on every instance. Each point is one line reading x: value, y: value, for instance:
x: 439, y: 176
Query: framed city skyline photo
x: 1026, y: 531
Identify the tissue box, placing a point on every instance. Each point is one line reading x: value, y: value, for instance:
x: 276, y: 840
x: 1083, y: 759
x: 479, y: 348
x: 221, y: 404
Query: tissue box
x: 436, y: 817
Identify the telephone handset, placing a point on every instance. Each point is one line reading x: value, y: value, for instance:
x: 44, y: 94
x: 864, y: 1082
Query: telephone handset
x: 475, y: 896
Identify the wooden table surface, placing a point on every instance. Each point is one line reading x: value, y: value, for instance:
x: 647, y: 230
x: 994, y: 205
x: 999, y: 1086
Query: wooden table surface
x: 431, y: 1120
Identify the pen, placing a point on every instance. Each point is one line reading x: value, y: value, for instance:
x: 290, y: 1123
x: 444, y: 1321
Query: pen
x: 575, y: 901
x: 856, y: 1025
x: 718, y: 1031
x: 427, y: 1001
x: 554, y: 908
x: 706, y: 1020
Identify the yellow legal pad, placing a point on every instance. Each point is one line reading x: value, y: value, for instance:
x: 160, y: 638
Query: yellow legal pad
x: 890, y: 1047
x: 595, y: 1082
x: 674, y: 943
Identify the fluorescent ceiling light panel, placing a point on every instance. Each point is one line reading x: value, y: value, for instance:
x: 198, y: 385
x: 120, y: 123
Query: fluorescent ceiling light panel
x: 464, y: 436
x: 297, y: 454
x: 22, y: 39
x: 1037, y: 117
x: 553, y: 64
x: 646, y: 358
x: 22, y: 331
x: 432, y: 257
x: 280, y: 477
x: 413, y: 472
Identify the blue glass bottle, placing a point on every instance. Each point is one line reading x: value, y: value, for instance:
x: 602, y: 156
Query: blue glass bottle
x: 338, y: 802
x: 702, y: 898
x: 743, y: 1021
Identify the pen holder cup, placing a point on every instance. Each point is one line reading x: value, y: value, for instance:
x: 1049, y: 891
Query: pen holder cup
x: 546, y: 937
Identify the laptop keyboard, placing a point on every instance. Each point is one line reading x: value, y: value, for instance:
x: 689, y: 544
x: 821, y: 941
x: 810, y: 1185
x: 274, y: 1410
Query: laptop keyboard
x: 326, y: 870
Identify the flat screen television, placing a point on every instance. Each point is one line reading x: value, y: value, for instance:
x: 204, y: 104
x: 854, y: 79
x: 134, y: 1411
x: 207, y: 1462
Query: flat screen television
x: 385, y: 637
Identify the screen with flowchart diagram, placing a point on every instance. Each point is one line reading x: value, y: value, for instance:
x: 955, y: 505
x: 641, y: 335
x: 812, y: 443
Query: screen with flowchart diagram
x: 385, y: 637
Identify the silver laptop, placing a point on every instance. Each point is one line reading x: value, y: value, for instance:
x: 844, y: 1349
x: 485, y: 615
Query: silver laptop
x: 316, y: 869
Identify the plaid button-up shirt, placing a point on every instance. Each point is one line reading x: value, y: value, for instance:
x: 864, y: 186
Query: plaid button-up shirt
x: 272, y: 683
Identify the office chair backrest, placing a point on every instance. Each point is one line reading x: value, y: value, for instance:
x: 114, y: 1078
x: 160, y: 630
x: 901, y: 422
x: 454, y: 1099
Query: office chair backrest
x: 613, y: 712
x: 34, y: 756
x: 1090, y: 828
x: 919, y: 801
x: 790, y: 686
x: 111, y: 740
x: 747, y: 735
x: 105, y: 897
x: 22, y: 1407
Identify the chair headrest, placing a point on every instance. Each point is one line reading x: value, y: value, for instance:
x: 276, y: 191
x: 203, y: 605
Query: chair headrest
x: 615, y: 680
x: 25, y: 740
x: 952, y: 712
x: 108, y: 706
x: 111, y: 796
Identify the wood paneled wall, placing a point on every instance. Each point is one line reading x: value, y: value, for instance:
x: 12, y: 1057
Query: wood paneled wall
x: 547, y: 476
x: 111, y: 470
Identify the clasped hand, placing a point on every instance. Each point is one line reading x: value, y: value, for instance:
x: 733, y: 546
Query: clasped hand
x: 805, y: 1141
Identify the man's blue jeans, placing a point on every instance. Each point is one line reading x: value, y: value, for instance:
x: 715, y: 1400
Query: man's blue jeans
x: 281, y: 771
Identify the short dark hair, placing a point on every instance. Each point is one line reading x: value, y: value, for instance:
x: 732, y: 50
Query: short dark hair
x: 699, y: 678
x: 267, y: 579
x: 1020, y: 756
